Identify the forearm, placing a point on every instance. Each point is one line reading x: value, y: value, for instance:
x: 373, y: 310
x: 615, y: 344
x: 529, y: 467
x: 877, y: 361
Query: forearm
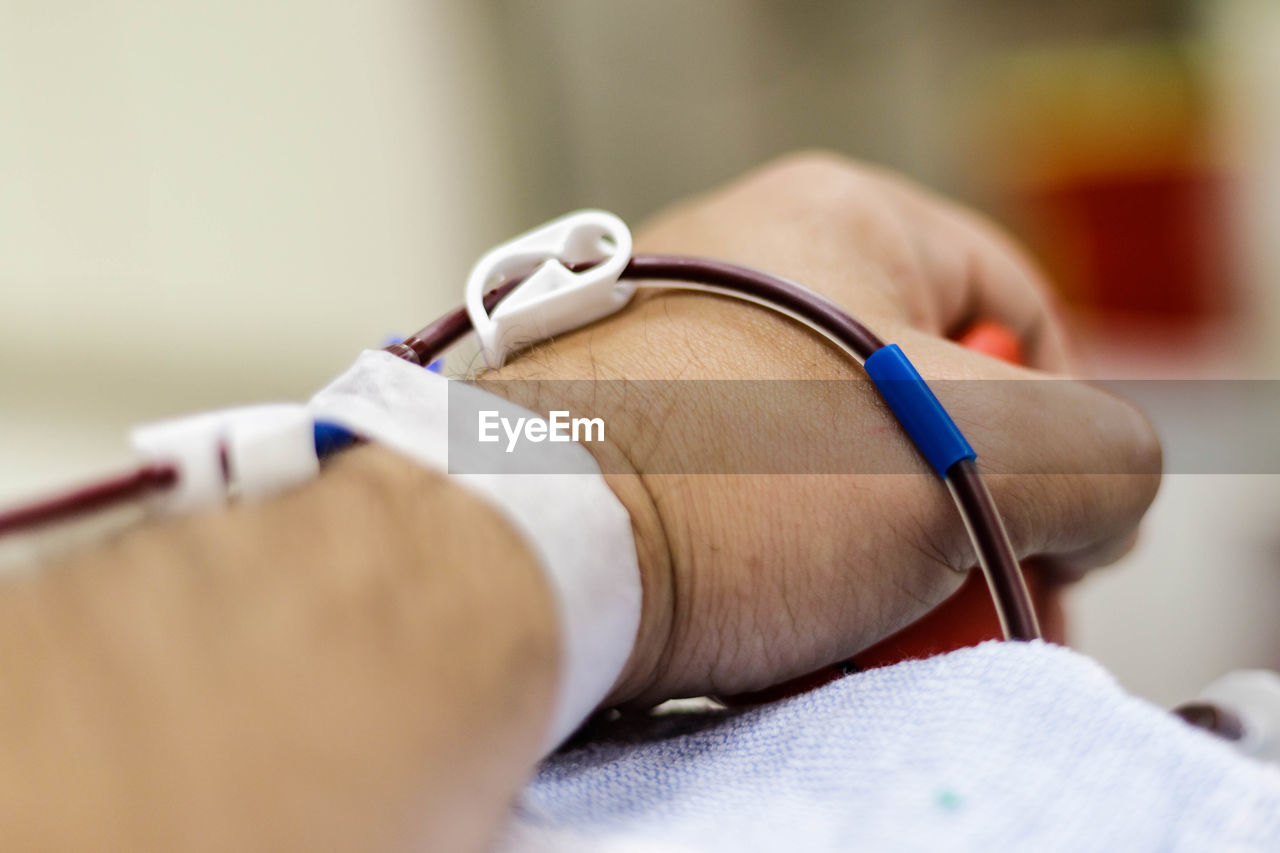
x: 361, y: 664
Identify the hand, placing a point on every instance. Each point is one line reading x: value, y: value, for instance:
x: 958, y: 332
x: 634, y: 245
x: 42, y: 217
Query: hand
x: 752, y: 579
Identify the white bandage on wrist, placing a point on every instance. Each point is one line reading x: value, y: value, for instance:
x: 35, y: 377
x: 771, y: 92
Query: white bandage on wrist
x: 577, y: 528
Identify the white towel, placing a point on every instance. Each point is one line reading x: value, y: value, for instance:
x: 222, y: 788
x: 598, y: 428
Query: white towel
x: 999, y: 747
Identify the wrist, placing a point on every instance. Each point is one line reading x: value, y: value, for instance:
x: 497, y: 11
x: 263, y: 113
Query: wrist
x: 574, y: 526
x: 521, y: 382
x: 649, y: 430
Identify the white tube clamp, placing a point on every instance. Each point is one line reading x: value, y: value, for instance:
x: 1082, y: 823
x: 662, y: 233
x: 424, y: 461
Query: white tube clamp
x: 252, y: 451
x: 553, y: 298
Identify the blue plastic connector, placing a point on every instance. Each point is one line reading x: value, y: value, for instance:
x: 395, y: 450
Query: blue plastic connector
x: 917, y: 409
x: 330, y: 438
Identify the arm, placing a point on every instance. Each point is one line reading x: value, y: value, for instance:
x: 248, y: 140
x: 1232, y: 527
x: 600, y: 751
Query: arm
x: 372, y: 659
x: 362, y: 663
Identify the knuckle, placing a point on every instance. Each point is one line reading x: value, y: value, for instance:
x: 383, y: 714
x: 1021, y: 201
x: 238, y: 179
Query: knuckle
x: 820, y: 161
x: 815, y: 175
x: 1146, y: 450
x: 1132, y: 438
x: 1142, y: 453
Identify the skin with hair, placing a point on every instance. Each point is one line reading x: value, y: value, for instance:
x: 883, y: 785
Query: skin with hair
x: 369, y: 662
x: 753, y: 579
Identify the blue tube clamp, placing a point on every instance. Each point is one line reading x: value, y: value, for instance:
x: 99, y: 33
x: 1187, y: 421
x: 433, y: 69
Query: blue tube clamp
x: 917, y: 409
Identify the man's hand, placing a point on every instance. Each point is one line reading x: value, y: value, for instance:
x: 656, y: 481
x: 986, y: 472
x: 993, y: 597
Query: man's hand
x: 753, y: 579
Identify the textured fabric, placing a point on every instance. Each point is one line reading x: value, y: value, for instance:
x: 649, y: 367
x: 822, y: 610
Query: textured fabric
x: 998, y: 747
x: 573, y: 522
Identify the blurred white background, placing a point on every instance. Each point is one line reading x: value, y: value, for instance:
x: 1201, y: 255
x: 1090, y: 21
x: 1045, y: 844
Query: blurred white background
x: 209, y: 203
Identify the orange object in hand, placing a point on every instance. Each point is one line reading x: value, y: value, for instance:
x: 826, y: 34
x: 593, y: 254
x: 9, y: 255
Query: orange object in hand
x: 994, y: 340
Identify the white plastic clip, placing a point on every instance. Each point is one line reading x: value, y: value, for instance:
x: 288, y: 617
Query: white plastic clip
x: 554, y: 298
x: 259, y: 450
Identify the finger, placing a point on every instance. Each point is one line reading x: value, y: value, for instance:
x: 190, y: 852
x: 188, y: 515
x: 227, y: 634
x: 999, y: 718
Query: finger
x: 1002, y: 285
x: 980, y: 273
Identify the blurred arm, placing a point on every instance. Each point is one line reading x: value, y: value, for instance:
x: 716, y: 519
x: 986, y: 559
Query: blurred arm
x: 366, y: 663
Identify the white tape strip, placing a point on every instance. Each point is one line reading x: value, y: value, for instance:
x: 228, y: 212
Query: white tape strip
x: 576, y: 526
x: 269, y: 449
